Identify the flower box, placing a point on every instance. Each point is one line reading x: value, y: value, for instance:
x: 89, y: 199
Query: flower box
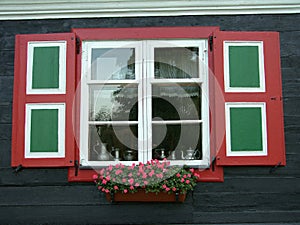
x: 142, y: 196
x: 155, y: 181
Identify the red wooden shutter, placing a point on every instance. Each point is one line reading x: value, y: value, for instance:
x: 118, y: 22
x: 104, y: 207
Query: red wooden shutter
x: 247, y: 67
x: 44, y: 87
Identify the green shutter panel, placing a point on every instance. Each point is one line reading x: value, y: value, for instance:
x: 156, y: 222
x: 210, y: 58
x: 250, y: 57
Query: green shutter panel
x: 44, y: 87
x: 247, y: 68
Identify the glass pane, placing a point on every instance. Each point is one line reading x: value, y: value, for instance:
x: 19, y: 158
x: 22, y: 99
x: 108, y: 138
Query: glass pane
x: 177, y: 142
x: 113, y: 103
x: 113, y: 142
x: 113, y: 64
x: 174, y: 102
x: 177, y: 62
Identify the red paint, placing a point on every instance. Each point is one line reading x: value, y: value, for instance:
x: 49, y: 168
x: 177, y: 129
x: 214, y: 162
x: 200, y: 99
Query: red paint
x: 21, y: 98
x: 274, y: 108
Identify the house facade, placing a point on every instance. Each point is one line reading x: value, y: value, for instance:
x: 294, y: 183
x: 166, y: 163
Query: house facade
x: 124, y: 75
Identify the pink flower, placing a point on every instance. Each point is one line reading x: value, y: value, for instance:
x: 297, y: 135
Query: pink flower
x: 116, y: 187
x: 131, y: 187
x: 99, y: 187
x: 164, y: 186
x: 95, y: 177
x: 144, y: 175
x: 131, y: 181
x: 124, y: 180
x: 184, y: 176
x: 151, y: 173
x: 108, y: 178
x: 125, y: 191
x: 182, y: 180
x: 174, y: 189
x: 130, y: 175
x: 168, y: 189
x: 110, y: 168
x: 145, y: 182
x: 187, y: 181
x: 107, y: 191
x: 119, y: 172
x: 192, y: 170
x: 104, y: 181
x: 189, y: 175
x: 160, y: 175
x: 178, y: 175
x: 137, y: 184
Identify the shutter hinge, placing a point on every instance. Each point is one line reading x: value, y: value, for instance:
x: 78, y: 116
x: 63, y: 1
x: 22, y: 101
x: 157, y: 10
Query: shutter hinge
x: 213, y: 163
x: 76, y: 168
x: 274, y: 98
x: 77, y: 45
x: 211, y: 42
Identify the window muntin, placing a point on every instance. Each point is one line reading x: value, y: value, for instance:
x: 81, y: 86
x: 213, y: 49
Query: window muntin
x: 121, y: 100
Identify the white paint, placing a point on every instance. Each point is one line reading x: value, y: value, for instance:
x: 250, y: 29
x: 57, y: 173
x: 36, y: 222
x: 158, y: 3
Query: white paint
x: 61, y: 131
x: 44, y: 9
x: 262, y: 106
x: 62, y: 68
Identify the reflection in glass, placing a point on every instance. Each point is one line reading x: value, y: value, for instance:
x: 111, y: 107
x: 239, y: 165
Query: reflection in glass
x: 113, y: 64
x: 113, y: 103
x: 176, y: 102
x: 176, y: 62
x: 175, y: 141
x: 119, y: 142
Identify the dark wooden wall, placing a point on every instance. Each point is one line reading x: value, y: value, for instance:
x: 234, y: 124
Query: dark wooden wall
x: 248, y: 195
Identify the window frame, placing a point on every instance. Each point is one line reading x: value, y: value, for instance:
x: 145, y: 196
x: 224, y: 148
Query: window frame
x: 145, y: 80
x: 213, y: 173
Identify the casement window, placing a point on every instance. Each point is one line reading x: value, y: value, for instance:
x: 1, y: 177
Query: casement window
x: 194, y: 95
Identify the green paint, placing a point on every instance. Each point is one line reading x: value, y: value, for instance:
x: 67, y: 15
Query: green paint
x: 244, y: 66
x: 44, y: 130
x: 246, y: 129
x: 45, y: 71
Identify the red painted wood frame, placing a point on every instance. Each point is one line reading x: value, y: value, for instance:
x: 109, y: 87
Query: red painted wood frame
x: 272, y: 97
x: 20, y: 99
x: 214, y: 173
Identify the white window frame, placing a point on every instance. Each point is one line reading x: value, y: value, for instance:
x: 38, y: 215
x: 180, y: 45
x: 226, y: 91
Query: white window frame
x: 144, y: 71
x: 258, y: 44
x: 62, y: 67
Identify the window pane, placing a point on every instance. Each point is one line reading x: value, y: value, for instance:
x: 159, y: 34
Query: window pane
x: 112, y: 142
x: 173, y: 141
x: 177, y: 62
x: 113, y: 103
x: 174, y: 102
x: 113, y: 64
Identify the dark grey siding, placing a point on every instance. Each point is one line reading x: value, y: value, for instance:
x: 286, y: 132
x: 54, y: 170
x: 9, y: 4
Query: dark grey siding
x: 248, y: 195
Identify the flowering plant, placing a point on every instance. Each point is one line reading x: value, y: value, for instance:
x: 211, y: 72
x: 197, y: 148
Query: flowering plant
x: 154, y: 176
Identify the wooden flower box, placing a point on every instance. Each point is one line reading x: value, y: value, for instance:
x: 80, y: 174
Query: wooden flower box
x: 142, y: 196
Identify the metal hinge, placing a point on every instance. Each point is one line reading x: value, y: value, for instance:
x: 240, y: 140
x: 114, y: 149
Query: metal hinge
x: 77, y: 45
x: 76, y: 168
x: 18, y: 168
x: 211, y: 42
